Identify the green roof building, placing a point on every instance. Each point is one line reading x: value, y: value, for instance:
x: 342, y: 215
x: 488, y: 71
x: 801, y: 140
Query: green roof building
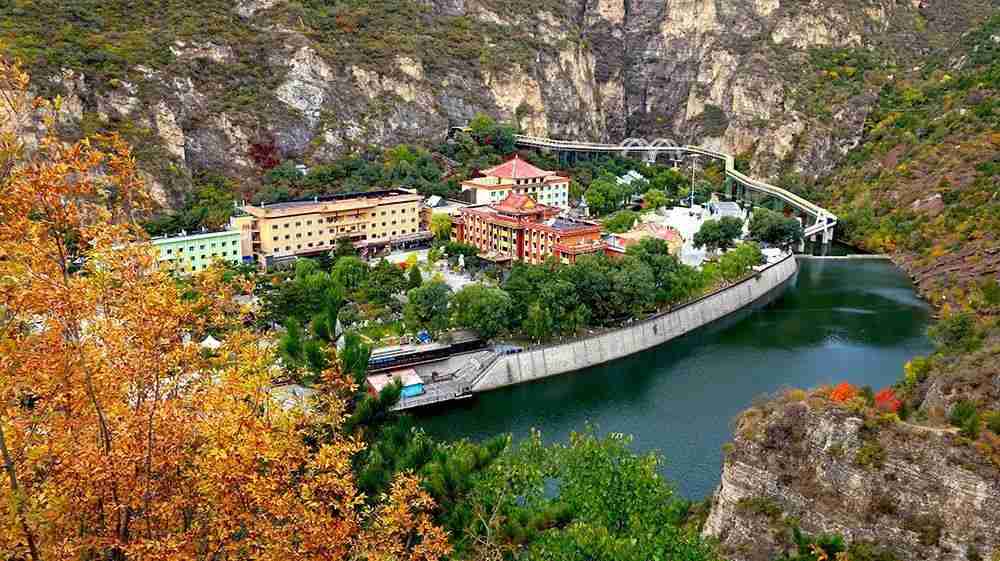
x: 188, y: 253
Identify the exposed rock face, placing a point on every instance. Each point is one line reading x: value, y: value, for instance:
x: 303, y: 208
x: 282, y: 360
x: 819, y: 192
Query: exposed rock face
x: 916, y: 491
x: 724, y: 73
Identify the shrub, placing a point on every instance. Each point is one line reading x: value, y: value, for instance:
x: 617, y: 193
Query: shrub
x: 863, y: 551
x: 993, y: 422
x: 956, y: 332
x: 843, y: 392
x: 763, y: 506
x: 887, y: 401
x: 871, y: 454
x: 961, y: 412
x: 970, y: 428
x: 916, y: 371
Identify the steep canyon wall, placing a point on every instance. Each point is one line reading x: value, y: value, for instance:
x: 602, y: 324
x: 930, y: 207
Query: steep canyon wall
x: 318, y: 79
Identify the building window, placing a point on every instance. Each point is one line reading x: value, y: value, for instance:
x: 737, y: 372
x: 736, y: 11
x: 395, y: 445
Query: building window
x: 275, y: 238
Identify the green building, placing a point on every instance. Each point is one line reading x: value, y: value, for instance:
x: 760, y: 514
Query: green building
x: 188, y: 253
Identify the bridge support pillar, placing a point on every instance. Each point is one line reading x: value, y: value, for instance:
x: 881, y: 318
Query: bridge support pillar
x: 827, y: 236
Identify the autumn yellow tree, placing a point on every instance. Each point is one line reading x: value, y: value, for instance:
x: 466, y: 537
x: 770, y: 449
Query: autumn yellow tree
x: 120, y: 438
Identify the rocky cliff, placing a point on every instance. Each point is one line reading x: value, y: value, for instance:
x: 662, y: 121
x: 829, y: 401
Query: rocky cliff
x: 915, y: 490
x: 211, y: 84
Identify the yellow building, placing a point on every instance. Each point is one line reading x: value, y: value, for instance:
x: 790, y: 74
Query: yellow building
x: 280, y: 231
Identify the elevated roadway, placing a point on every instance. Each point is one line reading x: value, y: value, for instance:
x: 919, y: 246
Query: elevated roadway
x: 819, y: 222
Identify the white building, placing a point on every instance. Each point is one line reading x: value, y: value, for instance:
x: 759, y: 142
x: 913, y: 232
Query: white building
x: 519, y: 177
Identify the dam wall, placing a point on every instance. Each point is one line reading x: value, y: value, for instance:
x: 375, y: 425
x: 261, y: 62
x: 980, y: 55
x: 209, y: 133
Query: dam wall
x: 590, y: 351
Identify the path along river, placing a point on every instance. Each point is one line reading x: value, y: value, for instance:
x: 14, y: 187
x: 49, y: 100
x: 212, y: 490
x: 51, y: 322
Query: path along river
x: 843, y: 320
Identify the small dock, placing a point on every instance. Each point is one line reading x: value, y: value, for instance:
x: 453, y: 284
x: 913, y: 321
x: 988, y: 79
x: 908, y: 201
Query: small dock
x: 450, y: 379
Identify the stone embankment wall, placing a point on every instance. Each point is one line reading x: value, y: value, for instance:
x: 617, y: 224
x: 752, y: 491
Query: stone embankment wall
x: 591, y: 351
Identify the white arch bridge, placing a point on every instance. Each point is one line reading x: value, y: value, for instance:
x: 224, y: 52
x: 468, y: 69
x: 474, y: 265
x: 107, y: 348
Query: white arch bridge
x: 818, y: 222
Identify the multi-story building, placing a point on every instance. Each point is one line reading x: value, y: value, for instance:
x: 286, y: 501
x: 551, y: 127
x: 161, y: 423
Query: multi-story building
x: 520, y: 178
x: 519, y: 229
x: 281, y: 231
x: 188, y: 253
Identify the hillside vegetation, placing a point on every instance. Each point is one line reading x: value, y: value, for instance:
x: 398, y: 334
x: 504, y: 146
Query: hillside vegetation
x: 925, y: 183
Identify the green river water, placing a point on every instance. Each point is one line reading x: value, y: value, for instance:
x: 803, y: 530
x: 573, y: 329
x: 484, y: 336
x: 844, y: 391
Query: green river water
x: 842, y: 320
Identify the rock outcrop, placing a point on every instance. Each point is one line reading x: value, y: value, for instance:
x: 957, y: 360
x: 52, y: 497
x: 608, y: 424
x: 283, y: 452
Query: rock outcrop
x: 733, y: 74
x: 918, y: 491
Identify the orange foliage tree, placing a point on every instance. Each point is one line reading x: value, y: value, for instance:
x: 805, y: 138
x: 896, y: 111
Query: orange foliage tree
x: 843, y: 392
x: 120, y: 438
x: 886, y: 400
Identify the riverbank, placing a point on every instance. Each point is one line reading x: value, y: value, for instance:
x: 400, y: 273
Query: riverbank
x: 857, y: 321
x: 584, y: 353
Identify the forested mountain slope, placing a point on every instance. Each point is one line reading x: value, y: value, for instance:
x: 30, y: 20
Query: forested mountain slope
x: 912, y: 471
x: 222, y: 86
x: 925, y: 182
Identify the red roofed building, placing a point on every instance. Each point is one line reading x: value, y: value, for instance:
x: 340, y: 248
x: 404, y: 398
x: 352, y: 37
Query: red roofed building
x: 617, y: 244
x: 521, y: 178
x: 519, y: 229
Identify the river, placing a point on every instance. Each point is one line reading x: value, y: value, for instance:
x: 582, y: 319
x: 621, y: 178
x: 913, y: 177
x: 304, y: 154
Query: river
x: 843, y: 320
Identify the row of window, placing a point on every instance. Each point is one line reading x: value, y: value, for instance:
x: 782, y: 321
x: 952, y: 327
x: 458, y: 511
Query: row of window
x: 224, y: 254
x: 332, y: 219
x: 344, y: 229
x: 321, y: 243
x: 202, y: 247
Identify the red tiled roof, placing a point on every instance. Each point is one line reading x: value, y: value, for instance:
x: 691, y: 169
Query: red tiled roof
x: 515, y: 202
x: 516, y: 168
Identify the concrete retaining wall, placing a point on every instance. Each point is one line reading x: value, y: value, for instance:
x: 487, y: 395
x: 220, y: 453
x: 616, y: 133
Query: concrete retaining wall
x: 584, y: 353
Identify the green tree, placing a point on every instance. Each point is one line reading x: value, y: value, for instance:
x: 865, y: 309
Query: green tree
x: 669, y: 181
x: 538, y: 324
x: 441, y: 226
x: 656, y: 199
x: 209, y: 205
x: 291, y: 346
x: 593, y: 283
x: 483, y: 309
x: 350, y: 273
x: 415, y: 277
x: 621, y: 221
x: 344, y: 248
x: 487, y: 132
x: 633, y: 288
x: 774, y: 228
x: 735, y: 264
x: 605, y: 195
x: 384, y: 281
x: 427, y: 307
x: 354, y: 356
x: 716, y: 235
x: 324, y: 323
x: 607, y: 503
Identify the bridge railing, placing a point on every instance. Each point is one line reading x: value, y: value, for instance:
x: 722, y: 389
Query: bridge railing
x: 824, y: 218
